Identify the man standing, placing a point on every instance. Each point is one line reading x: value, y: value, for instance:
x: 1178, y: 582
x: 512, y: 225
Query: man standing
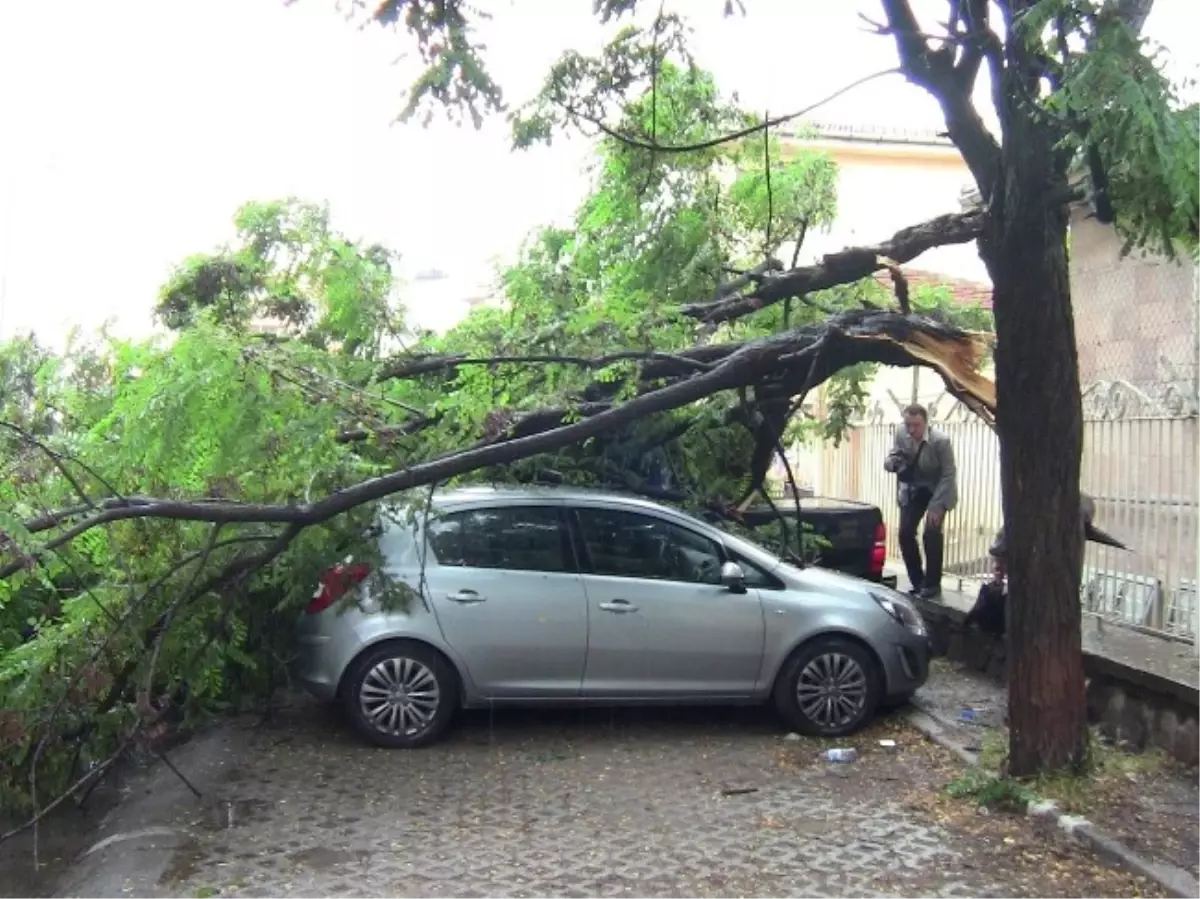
x: 923, y: 462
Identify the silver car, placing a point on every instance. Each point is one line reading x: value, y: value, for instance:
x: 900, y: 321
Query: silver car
x: 555, y: 596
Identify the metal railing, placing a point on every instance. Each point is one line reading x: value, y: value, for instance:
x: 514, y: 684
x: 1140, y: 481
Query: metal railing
x: 1142, y: 473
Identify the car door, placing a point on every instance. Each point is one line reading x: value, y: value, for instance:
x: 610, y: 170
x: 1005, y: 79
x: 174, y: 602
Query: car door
x: 660, y: 622
x: 508, y: 596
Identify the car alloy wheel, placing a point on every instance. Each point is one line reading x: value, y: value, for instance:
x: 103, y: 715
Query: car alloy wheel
x: 400, y: 697
x: 829, y: 687
x: 400, y: 694
x: 831, y: 690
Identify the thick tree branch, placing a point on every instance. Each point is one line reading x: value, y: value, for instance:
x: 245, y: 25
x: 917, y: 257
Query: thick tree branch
x: 789, y: 360
x: 431, y: 364
x: 770, y: 286
x: 844, y: 267
x: 951, y: 86
x: 837, y: 268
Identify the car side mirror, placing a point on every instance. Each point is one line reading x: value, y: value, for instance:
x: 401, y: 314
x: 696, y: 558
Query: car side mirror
x: 733, y: 578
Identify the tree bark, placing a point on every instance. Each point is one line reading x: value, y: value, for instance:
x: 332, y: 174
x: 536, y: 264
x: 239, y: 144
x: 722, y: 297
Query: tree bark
x: 1039, y: 409
x: 1040, y: 425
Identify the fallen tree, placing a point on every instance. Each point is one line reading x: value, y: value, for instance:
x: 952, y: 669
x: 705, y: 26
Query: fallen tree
x: 167, y: 505
x: 100, y: 572
x: 784, y: 365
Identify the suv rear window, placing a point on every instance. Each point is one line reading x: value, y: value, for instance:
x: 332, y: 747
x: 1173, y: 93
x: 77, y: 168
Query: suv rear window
x: 515, y: 538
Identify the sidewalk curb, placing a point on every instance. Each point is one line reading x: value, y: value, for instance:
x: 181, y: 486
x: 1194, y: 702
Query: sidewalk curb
x: 137, y: 840
x: 1176, y: 881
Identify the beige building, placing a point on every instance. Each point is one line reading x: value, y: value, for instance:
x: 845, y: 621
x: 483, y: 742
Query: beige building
x: 889, y: 179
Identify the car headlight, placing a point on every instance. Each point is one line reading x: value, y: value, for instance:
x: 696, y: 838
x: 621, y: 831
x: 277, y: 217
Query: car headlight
x: 903, y: 611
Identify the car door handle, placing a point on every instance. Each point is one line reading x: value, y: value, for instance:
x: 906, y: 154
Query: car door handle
x: 619, y: 606
x: 465, y: 597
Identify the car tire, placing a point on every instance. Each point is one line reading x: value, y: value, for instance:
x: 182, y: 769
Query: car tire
x: 400, y: 695
x: 840, y: 667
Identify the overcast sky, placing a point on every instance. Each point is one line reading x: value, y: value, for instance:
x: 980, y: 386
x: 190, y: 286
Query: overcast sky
x: 134, y: 128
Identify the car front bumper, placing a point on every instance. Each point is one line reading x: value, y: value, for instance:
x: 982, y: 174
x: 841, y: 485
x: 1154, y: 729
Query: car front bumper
x: 907, y: 664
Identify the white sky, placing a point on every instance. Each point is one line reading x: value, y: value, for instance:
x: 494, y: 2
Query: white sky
x: 134, y: 128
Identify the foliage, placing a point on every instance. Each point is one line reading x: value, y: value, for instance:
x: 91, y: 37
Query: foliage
x: 135, y: 612
x: 652, y: 235
x: 290, y: 272
x: 1111, y: 93
x: 1108, y: 771
x: 278, y: 355
x: 989, y: 791
x: 455, y: 79
x: 280, y: 384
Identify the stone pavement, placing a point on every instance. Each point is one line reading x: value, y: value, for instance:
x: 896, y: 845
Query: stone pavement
x: 656, y: 802
x: 1152, y: 810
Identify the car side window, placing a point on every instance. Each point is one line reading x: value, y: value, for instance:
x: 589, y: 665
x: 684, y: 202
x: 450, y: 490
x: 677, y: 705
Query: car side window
x: 516, y: 538
x: 626, y: 544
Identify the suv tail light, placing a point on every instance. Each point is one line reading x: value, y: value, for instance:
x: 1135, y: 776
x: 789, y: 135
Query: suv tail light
x: 878, y: 551
x: 335, y: 583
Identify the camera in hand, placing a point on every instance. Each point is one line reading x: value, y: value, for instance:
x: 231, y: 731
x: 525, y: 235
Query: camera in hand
x: 907, y: 472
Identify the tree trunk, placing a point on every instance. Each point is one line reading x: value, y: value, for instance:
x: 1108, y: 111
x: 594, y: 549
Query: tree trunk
x: 1040, y: 425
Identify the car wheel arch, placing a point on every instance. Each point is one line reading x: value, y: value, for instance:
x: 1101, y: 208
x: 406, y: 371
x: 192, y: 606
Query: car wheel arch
x: 459, y: 684
x: 836, y: 633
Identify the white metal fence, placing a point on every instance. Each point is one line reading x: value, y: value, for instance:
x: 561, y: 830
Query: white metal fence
x: 1142, y: 473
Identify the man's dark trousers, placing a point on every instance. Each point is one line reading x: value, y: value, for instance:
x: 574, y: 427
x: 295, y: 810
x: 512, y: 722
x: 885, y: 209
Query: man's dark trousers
x: 911, y: 514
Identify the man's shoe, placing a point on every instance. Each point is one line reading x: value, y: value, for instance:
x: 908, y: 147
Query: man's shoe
x: 930, y: 593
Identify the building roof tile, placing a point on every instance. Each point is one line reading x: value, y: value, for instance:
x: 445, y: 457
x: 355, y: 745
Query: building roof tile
x: 965, y: 291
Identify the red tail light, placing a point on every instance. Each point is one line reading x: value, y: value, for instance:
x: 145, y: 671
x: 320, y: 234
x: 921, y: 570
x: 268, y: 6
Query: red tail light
x: 878, y: 551
x: 334, y: 584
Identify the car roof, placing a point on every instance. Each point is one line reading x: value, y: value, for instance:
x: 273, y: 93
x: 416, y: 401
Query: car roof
x: 506, y: 493
x: 487, y: 494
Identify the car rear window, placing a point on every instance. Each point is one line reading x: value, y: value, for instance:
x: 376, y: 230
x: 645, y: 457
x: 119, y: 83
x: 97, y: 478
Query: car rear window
x: 516, y: 538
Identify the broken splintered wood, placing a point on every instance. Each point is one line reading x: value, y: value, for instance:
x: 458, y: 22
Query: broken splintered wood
x: 899, y: 282
x: 843, y: 267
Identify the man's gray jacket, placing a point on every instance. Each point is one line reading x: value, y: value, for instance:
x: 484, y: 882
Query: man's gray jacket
x: 935, y: 472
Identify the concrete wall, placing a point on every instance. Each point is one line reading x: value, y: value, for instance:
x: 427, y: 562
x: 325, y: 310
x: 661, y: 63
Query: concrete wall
x: 1129, y: 705
x: 883, y: 187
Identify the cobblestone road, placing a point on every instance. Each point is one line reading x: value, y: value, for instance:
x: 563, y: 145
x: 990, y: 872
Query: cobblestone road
x: 658, y: 803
